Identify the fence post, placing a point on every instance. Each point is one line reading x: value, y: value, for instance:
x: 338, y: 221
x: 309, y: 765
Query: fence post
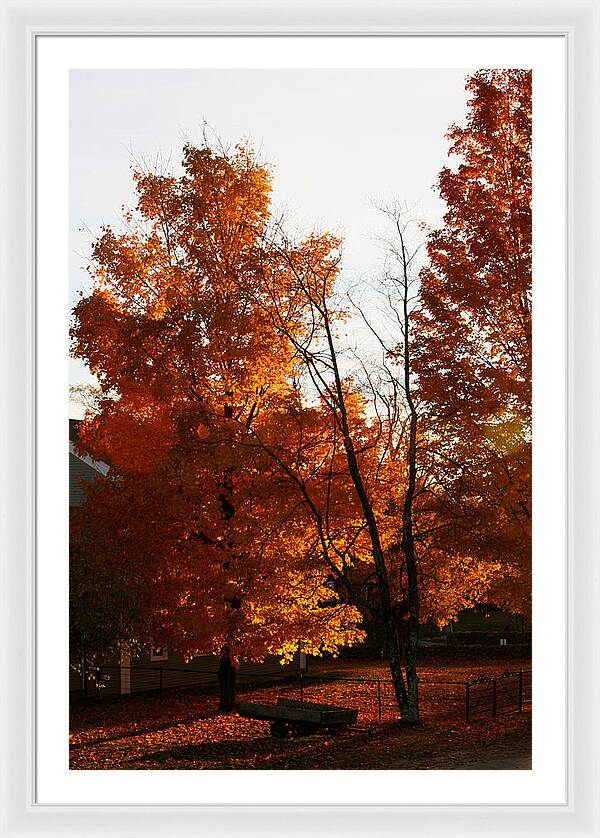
x: 467, y: 702
x: 160, y: 671
x: 301, y: 686
x: 379, y: 697
x: 494, y: 700
x: 520, y: 690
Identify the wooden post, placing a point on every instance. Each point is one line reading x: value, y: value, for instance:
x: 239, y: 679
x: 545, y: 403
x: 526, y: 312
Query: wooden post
x: 301, y: 686
x: 84, y: 676
x: 494, y: 700
x: 227, y: 681
x: 379, y: 698
x: 160, y: 671
x: 467, y: 702
x: 520, y: 690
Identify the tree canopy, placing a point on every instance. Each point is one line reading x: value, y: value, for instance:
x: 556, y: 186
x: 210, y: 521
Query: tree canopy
x: 180, y: 330
x: 473, y: 336
x: 260, y: 493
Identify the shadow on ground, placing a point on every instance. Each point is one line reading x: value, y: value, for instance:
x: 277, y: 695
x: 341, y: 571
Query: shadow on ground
x: 392, y: 746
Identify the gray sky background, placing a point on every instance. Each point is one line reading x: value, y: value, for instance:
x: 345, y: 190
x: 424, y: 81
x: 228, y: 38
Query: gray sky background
x: 338, y: 140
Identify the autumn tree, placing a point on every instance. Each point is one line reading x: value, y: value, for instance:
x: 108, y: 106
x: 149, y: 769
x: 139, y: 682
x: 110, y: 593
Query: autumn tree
x: 363, y: 485
x: 473, y: 345
x: 269, y: 484
x: 361, y: 488
x: 179, y: 330
x: 455, y: 428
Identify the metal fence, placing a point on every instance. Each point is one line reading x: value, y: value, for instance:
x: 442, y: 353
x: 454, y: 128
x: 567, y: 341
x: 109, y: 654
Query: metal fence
x: 509, y: 692
x: 114, y: 680
x: 470, y: 700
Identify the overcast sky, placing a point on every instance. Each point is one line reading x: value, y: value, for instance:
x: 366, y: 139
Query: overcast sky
x: 338, y: 140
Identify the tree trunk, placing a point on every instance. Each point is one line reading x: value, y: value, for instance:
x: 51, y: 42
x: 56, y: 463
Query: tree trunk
x: 408, y: 546
x: 395, y: 660
x: 408, y: 541
x: 227, y: 685
x: 412, y: 679
x: 395, y: 664
x: 389, y: 621
x: 84, y: 685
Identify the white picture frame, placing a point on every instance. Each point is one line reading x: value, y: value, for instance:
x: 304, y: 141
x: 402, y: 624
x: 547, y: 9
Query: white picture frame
x: 22, y: 23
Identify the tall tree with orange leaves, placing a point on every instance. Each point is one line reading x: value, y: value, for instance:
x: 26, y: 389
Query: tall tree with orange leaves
x: 179, y: 330
x: 260, y: 494
x: 473, y: 338
x: 244, y: 509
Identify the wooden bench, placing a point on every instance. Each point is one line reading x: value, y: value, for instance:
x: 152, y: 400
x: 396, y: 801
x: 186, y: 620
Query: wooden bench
x: 299, y: 717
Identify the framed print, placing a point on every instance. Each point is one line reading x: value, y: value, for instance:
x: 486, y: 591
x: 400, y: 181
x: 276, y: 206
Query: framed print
x: 314, y: 289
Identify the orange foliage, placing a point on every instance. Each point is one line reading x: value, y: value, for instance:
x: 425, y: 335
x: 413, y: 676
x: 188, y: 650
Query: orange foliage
x: 181, y: 328
x: 473, y: 337
x: 230, y: 500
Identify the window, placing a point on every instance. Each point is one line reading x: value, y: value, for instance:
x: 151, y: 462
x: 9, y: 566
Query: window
x: 158, y: 652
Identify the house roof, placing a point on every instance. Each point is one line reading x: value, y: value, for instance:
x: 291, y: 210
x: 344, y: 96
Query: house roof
x: 79, y: 473
x: 82, y: 469
x: 74, y: 429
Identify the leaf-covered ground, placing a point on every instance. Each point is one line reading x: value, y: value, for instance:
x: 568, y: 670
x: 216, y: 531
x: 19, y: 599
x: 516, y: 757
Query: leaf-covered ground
x: 185, y: 730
